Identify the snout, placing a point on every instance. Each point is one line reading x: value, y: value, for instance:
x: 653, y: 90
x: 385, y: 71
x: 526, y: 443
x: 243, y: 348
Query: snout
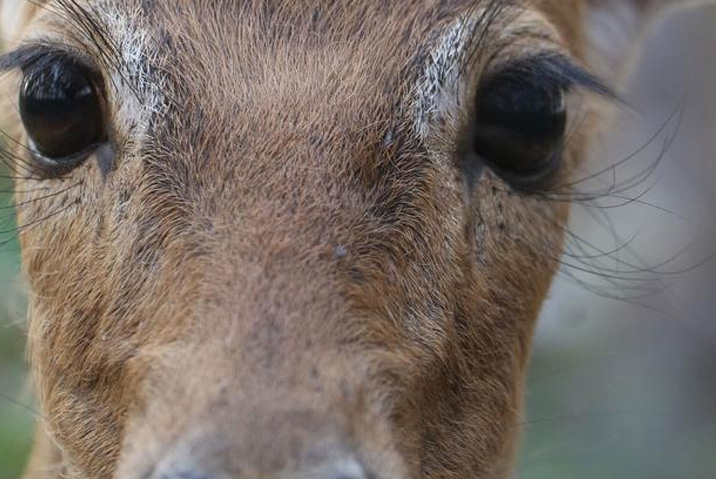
x: 181, y: 464
x: 268, y: 380
x: 228, y: 439
x: 293, y: 446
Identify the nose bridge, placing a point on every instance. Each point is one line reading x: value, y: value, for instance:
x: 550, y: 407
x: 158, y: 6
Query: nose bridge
x: 279, y: 174
x: 268, y: 203
x: 182, y: 466
x: 276, y: 218
x: 272, y: 204
x: 275, y: 236
x: 265, y: 387
x: 269, y: 317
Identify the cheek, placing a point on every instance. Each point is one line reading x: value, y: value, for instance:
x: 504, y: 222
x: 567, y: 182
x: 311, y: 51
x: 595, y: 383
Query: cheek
x: 75, y: 368
x: 517, y: 230
x: 56, y: 236
x: 76, y: 378
x: 516, y: 243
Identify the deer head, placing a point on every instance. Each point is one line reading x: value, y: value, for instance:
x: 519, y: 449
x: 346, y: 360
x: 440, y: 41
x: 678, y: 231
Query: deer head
x: 294, y: 239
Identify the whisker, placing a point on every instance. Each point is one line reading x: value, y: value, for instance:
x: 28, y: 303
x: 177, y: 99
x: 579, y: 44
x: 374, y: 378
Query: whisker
x: 20, y: 228
x: 41, y: 198
x: 21, y: 405
x: 678, y: 112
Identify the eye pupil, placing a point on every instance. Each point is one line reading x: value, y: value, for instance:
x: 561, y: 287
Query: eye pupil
x: 61, y: 110
x: 520, y: 126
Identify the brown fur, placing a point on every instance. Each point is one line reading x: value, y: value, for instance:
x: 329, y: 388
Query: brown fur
x: 263, y: 279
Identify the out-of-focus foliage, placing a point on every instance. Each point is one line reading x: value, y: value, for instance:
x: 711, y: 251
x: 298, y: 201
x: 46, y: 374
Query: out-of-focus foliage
x: 16, y: 419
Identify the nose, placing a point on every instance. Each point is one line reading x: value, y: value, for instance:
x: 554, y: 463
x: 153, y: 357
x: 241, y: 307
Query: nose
x: 292, y: 448
x: 187, y: 468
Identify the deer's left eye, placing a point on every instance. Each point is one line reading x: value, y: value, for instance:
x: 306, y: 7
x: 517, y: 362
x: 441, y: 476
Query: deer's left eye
x: 62, y: 111
x: 519, y: 126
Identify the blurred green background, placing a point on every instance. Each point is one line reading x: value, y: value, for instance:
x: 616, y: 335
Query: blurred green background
x: 16, y: 421
x: 616, y: 391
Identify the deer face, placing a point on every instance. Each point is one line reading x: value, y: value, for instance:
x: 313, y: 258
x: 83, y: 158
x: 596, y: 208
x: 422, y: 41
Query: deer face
x: 291, y: 239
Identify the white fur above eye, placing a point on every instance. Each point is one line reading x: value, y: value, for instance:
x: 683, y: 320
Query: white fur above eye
x: 142, y: 100
x: 437, y: 87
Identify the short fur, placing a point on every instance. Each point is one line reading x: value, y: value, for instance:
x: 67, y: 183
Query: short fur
x: 285, y: 263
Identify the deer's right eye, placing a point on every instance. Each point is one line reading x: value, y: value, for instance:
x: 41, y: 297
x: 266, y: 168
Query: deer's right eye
x: 62, y: 111
x: 520, y: 124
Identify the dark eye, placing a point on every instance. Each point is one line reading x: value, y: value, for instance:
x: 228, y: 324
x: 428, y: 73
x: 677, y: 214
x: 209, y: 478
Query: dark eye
x: 62, y: 111
x: 520, y: 126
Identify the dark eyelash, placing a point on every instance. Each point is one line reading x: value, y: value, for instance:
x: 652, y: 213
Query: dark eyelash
x: 40, y: 55
x: 27, y: 55
x: 551, y: 69
x: 99, y: 53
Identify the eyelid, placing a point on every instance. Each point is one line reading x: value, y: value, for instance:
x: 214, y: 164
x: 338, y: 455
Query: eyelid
x: 40, y: 53
x: 554, y: 70
x: 34, y: 57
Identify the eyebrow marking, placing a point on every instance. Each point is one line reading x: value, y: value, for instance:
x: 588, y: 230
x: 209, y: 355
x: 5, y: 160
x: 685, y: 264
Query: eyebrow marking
x: 86, y: 20
x: 117, y: 44
x: 441, y: 85
x: 38, y: 52
x: 136, y: 50
x: 441, y: 74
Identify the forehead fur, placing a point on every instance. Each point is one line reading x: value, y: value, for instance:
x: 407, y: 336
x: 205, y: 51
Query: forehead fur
x: 256, y: 54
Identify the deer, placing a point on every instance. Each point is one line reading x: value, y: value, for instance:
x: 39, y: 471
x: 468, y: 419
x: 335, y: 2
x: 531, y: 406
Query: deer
x: 292, y: 238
